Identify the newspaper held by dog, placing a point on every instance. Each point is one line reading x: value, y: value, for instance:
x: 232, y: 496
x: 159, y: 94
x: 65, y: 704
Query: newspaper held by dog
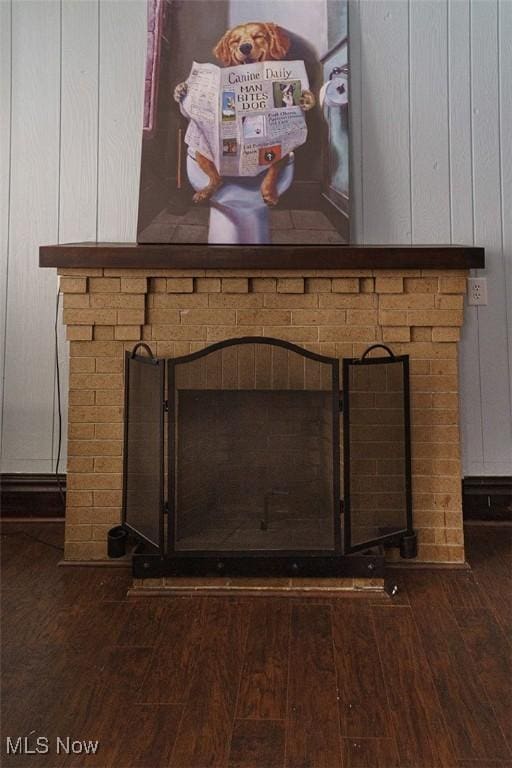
x: 247, y: 117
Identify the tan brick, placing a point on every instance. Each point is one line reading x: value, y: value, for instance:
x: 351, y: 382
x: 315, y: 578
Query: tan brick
x: 110, y: 397
x: 96, y: 349
x: 78, y: 499
x: 421, y: 334
x: 130, y: 317
x: 76, y: 301
x: 407, y: 301
x: 392, y: 317
x: 449, y: 301
x: 430, y: 351
x: 105, y: 365
x: 104, y: 284
x: 345, y: 285
x: 100, y: 532
x: 103, y: 332
x: 134, y: 285
x: 81, y: 397
x: 290, y: 300
x: 361, y: 316
x: 79, y: 464
x: 82, y: 365
x: 127, y: 332
x: 396, y: 333
x: 164, y: 316
x: 263, y: 317
x: 86, y: 550
x: 347, y: 333
x: 108, y: 464
x: 433, y: 317
x: 80, y: 431
x: 235, y: 284
x: 263, y: 284
x: 95, y: 414
x: 452, y: 285
x: 95, y: 448
x: 318, y: 285
x: 108, y: 431
x: 421, y: 284
x: 367, y: 285
x: 389, y: 284
x: 94, y: 481
x: 73, y: 284
x: 95, y: 381
x: 75, y: 272
x: 347, y: 301
x: 445, y: 334
x: 235, y: 300
x: 83, y: 515
x: 177, y: 301
x: 158, y: 285
x: 179, y: 332
x: 78, y: 532
x: 79, y: 332
x: 208, y: 316
x: 292, y: 333
x: 422, y: 416
x: 319, y: 317
x: 107, y: 498
x: 290, y: 285
x: 118, y: 300
x: 207, y: 284
x: 89, y: 316
x: 443, y: 367
x: 180, y: 285
x: 221, y: 332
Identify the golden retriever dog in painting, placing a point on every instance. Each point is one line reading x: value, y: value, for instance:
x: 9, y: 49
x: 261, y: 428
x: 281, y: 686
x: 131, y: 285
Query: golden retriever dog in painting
x: 247, y: 44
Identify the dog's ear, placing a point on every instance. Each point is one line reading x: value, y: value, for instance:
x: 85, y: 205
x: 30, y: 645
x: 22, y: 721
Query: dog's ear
x: 279, y: 41
x: 221, y: 50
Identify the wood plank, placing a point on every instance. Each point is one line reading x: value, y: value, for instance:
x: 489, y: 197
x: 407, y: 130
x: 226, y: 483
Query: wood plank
x: 123, y: 30
x: 469, y: 716
x: 364, y: 709
x: 257, y: 743
x: 417, y: 716
x: 205, y: 732
x: 385, y: 145
x: 301, y: 257
x: 146, y: 736
x: 491, y: 654
x: 174, y: 661
x: 143, y: 624
x: 263, y: 686
x: 370, y: 753
x: 34, y: 189
x: 430, y: 182
x: 312, y: 728
x: 492, y: 320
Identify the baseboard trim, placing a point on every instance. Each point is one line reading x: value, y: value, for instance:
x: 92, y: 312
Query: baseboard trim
x: 487, y: 498
x: 25, y: 496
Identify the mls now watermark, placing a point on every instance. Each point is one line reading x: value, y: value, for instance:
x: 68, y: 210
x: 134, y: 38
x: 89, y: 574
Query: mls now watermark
x: 42, y: 745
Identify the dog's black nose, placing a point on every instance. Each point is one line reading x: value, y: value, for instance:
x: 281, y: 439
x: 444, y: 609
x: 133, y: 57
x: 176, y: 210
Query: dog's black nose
x: 246, y: 48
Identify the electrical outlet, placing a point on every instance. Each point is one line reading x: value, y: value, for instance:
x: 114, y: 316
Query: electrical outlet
x: 477, y: 291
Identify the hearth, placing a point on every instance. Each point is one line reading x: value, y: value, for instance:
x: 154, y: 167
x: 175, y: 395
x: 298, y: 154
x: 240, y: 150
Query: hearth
x: 234, y: 455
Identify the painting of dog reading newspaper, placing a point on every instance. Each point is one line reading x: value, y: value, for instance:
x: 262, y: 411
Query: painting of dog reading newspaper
x: 245, y: 137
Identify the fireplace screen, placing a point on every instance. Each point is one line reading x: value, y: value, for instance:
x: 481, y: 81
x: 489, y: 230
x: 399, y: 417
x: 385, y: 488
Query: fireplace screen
x: 234, y: 452
x: 253, y: 450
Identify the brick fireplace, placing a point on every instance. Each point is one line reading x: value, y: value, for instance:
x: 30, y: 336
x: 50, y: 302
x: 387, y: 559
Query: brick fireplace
x: 337, y: 312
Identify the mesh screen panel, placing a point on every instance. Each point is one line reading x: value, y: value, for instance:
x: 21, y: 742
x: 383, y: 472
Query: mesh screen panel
x: 144, y: 457
x: 253, y: 452
x: 378, y: 500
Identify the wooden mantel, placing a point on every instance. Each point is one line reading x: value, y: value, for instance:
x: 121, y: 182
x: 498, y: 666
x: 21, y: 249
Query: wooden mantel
x: 267, y: 257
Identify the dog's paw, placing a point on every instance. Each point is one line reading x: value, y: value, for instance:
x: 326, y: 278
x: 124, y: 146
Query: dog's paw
x: 180, y: 92
x: 270, y: 196
x: 203, y: 195
x: 307, y: 100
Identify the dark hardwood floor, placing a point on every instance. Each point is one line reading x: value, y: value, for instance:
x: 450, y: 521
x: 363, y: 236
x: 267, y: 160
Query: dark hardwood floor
x: 422, y: 680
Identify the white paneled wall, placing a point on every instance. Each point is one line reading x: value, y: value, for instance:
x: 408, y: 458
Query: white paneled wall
x: 431, y: 163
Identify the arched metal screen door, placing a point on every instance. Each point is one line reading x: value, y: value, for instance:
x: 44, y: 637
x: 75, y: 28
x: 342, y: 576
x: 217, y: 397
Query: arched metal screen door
x: 143, y: 502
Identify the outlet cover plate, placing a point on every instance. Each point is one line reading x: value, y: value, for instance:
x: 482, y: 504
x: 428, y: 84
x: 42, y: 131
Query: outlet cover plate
x: 477, y: 291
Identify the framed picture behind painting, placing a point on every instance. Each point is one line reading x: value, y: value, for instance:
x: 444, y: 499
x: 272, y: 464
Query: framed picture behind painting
x: 245, y: 137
